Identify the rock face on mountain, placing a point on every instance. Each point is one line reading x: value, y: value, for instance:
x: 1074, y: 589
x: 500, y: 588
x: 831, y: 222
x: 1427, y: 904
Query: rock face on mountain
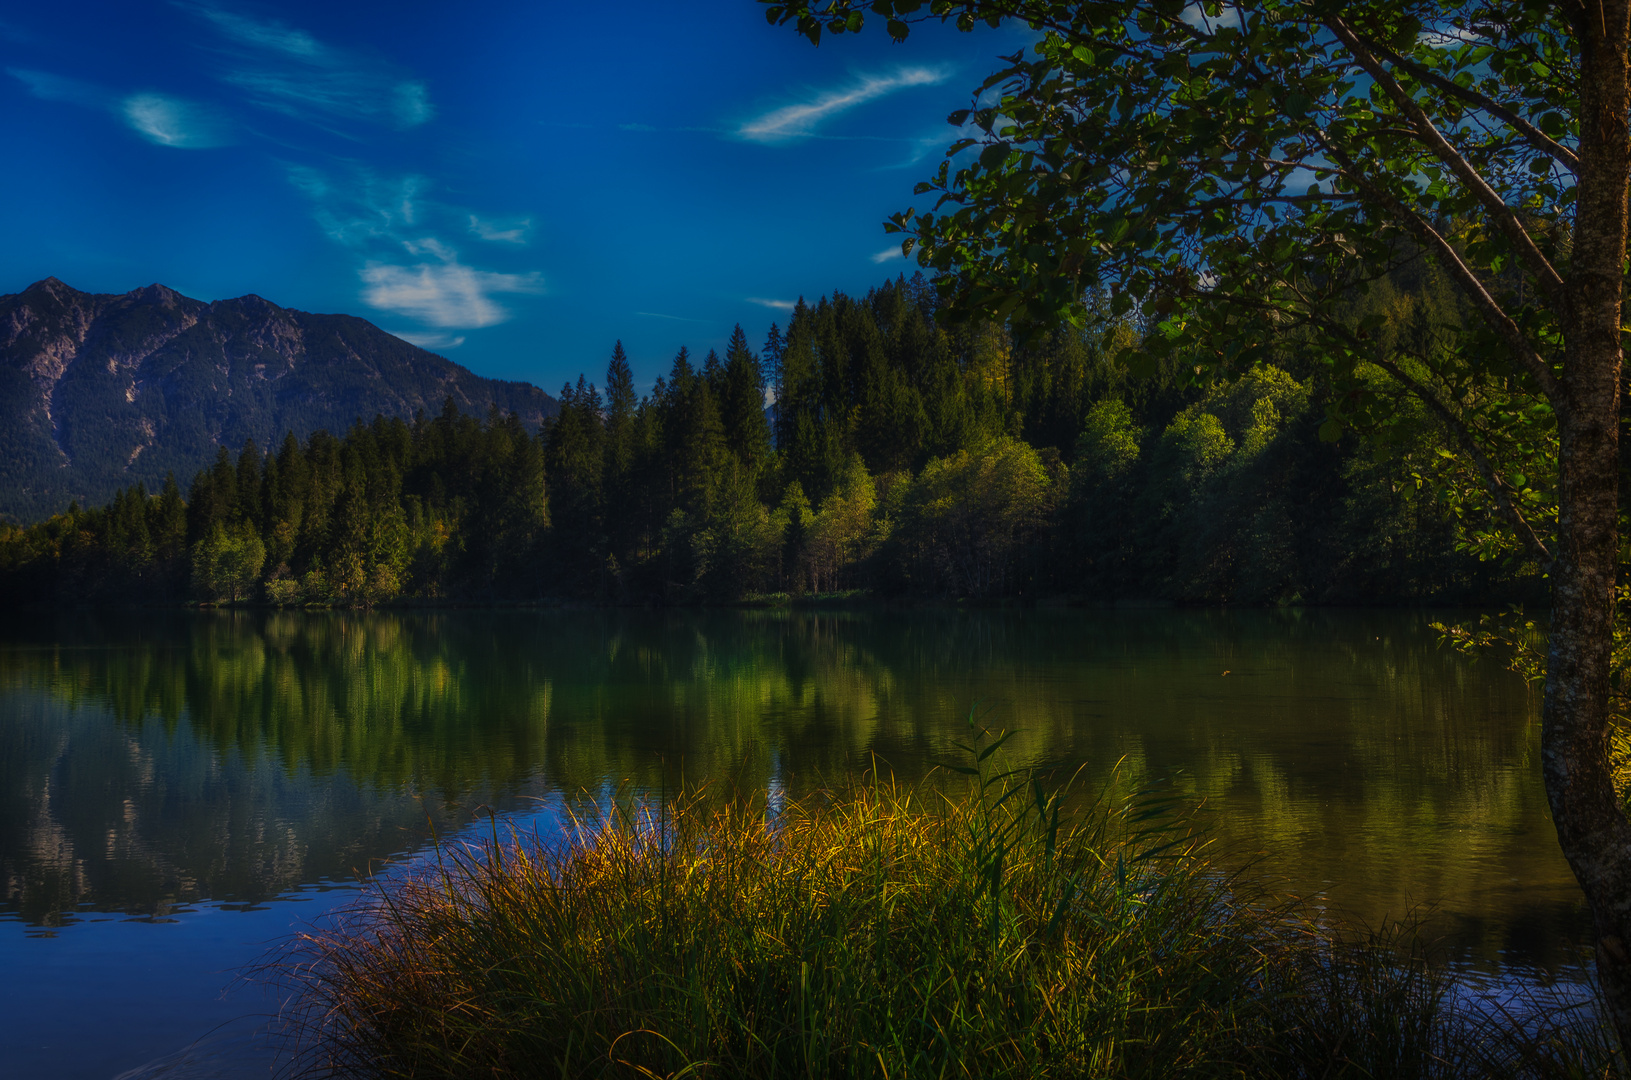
x: 99, y: 391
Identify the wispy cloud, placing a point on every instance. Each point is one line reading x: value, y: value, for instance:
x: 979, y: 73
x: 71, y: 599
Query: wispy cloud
x: 796, y: 121
x: 159, y: 118
x: 361, y: 207
x: 428, y: 340
x: 506, y: 231
x: 285, y: 69
x: 939, y: 139
x: 888, y: 253
x: 407, y: 269
x: 445, y: 293
x: 49, y: 87
x: 346, y: 95
x: 271, y: 36
x: 670, y: 318
x: 779, y: 305
x: 170, y: 121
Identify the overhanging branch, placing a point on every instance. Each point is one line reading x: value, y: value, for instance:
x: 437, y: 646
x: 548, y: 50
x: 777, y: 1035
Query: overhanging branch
x: 1536, y: 137
x: 1531, y: 361
x: 1502, y: 215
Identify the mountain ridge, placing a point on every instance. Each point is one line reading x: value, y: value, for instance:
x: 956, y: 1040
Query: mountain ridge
x: 99, y: 391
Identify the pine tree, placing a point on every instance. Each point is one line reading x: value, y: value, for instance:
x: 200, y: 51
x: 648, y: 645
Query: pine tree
x: 703, y: 450
x: 286, y: 504
x: 742, y: 406
x: 348, y: 540
x: 620, y: 492
x: 212, y: 498
x: 246, y: 505
x: 575, y: 457
x: 771, y: 359
x: 167, y: 522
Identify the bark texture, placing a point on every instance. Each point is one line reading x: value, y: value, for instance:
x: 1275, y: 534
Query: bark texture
x: 1593, y: 832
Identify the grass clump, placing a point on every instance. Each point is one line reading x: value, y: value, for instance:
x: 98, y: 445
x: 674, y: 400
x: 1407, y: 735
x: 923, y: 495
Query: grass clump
x: 875, y: 931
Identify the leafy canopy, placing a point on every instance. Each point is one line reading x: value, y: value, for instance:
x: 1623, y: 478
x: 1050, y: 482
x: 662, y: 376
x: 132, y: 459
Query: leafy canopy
x: 1235, y: 174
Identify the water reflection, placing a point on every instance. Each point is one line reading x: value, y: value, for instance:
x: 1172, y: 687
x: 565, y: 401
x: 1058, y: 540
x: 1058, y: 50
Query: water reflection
x: 148, y: 761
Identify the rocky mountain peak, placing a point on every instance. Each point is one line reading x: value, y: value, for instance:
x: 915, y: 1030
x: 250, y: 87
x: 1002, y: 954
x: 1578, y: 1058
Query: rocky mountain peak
x: 99, y: 391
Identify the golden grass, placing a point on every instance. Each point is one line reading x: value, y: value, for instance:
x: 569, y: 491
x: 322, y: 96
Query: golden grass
x: 874, y: 931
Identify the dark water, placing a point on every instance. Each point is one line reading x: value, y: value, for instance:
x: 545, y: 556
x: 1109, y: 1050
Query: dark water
x: 179, y: 791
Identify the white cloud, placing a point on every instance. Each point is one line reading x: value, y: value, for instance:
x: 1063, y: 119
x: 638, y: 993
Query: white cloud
x: 170, y: 121
x: 49, y: 87
x: 795, y: 121
x: 340, y: 93
x: 922, y: 147
x: 507, y: 231
x: 888, y: 253
x: 779, y: 305
x: 446, y: 294
x: 429, y: 340
x: 273, y: 36
x: 284, y: 69
x: 1446, y: 37
x: 158, y: 118
x: 384, y: 218
x: 429, y: 245
x: 364, y: 207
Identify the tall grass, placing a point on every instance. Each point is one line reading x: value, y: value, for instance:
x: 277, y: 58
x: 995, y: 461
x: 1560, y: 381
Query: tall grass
x: 873, y: 931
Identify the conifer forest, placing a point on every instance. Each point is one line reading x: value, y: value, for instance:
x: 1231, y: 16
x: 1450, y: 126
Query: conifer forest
x: 867, y: 448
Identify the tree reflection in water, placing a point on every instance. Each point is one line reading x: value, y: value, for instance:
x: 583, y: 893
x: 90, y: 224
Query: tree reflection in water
x: 150, y: 760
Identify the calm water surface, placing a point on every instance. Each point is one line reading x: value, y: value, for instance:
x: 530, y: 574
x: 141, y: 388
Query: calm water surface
x: 180, y: 791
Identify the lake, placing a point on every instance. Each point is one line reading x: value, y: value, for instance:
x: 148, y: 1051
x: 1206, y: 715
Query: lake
x: 179, y: 791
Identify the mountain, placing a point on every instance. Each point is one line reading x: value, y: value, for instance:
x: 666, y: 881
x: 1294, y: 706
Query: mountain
x: 99, y: 391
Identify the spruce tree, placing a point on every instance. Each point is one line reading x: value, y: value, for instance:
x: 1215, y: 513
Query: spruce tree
x: 742, y: 406
x: 617, y: 482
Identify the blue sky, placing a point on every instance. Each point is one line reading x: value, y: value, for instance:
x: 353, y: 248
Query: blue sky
x: 514, y: 185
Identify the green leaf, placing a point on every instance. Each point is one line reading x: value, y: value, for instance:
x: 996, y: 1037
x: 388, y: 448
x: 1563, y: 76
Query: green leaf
x: 994, y: 747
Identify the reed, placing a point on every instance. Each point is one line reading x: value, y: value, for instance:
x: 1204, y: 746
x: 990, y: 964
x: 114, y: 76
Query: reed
x: 871, y: 931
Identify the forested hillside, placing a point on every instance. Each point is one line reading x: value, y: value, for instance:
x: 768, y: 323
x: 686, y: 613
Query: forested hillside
x: 99, y: 392
x: 896, y: 455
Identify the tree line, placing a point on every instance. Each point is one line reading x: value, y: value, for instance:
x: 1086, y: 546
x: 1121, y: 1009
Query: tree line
x: 867, y: 447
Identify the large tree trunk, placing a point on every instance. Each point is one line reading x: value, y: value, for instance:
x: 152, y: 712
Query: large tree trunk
x: 1592, y: 830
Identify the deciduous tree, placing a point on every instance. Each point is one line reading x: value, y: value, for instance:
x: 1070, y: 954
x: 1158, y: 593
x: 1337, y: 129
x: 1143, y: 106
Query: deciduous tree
x: 1231, y: 171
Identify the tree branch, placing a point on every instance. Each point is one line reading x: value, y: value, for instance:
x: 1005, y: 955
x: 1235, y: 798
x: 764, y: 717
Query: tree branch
x: 1497, y: 487
x: 1505, y: 220
x: 1537, y: 138
x: 1510, y: 332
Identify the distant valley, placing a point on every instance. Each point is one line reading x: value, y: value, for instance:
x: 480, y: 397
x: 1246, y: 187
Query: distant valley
x: 99, y: 391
